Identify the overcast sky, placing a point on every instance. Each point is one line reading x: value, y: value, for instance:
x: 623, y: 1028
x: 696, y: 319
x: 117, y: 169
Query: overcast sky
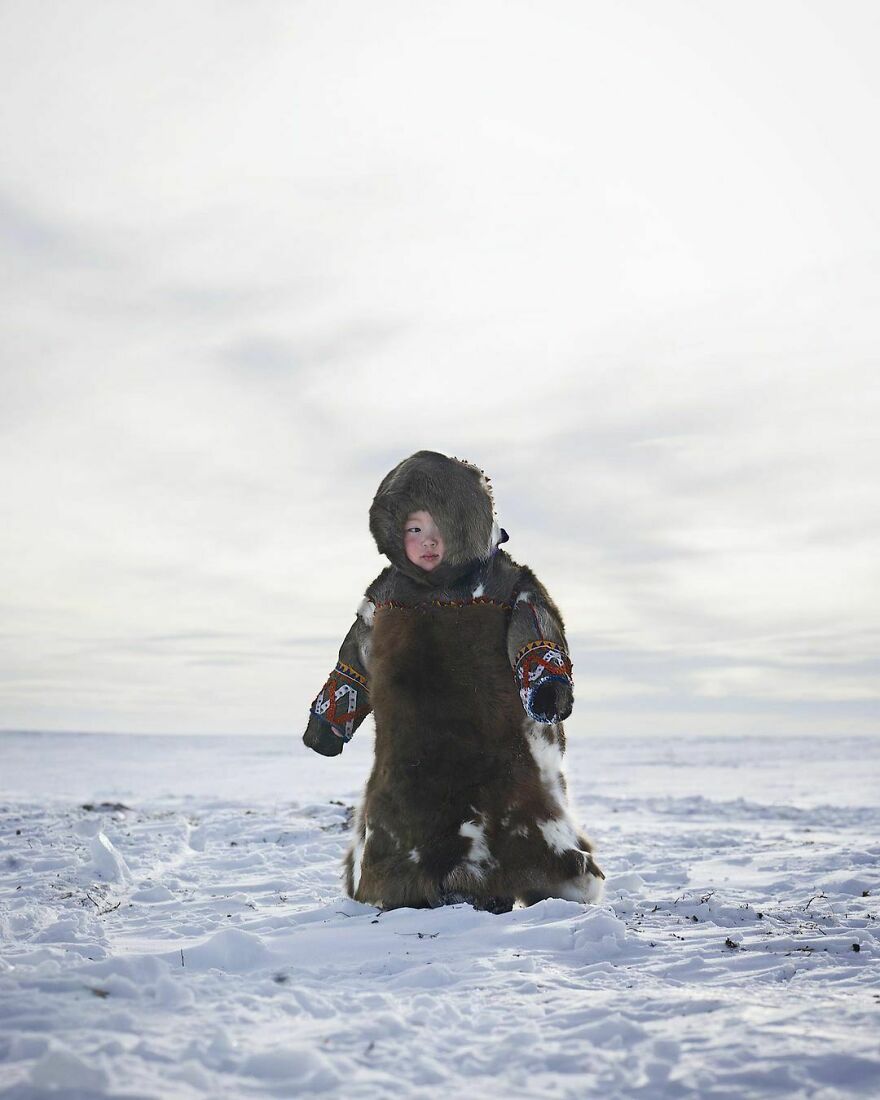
x: 625, y: 257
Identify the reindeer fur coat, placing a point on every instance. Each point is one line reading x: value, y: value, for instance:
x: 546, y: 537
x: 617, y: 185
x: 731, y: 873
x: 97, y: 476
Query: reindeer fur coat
x: 466, y: 671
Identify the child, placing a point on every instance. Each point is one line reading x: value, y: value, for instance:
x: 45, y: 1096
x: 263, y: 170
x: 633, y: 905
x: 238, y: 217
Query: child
x: 461, y: 655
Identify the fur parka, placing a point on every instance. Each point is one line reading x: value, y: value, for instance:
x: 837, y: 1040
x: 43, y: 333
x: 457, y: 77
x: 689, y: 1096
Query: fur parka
x: 467, y: 673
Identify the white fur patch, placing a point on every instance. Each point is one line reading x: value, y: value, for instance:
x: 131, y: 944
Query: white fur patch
x: 479, y: 590
x: 520, y: 830
x: 521, y: 598
x: 414, y: 855
x: 479, y: 859
x: 560, y: 834
x: 495, y: 536
x: 547, y: 756
x: 366, y: 611
x: 357, y: 853
x: 585, y: 888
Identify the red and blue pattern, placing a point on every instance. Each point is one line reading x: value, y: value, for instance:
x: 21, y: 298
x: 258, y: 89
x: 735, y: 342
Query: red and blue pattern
x: 536, y: 663
x: 344, y: 700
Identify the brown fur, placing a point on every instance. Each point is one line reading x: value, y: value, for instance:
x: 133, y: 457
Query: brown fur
x: 457, y: 495
x: 451, y: 749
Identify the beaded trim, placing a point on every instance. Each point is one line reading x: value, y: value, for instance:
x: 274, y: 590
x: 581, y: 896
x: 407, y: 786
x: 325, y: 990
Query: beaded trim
x: 397, y: 605
x: 542, y: 642
x: 351, y: 673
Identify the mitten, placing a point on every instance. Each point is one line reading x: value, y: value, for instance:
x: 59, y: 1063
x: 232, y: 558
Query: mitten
x: 543, y: 672
x: 552, y: 701
x: 342, y: 704
x: 321, y: 737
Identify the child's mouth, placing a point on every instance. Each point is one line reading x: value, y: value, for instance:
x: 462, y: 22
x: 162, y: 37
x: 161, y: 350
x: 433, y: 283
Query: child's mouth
x: 430, y: 557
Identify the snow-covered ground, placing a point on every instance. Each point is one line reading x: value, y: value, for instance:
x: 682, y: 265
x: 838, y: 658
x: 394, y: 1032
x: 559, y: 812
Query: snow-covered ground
x: 173, y: 925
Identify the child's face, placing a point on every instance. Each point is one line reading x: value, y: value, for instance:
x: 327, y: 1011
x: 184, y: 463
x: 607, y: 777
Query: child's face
x: 423, y: 541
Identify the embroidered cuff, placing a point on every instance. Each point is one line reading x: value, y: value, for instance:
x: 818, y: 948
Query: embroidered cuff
x: 344, y: 701
x: 539, y: 663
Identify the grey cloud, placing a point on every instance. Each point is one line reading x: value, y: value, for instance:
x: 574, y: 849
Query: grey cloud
x: 199, y: 646
x: 38, y: 240
x: 288, y: 357
x: 23, y: 232
x: 264, y: 354
x: 840, y: 712
x: 214, y: 303
x: 662, y: 666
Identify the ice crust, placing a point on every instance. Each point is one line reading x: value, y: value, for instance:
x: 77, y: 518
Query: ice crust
x: 197, y: 942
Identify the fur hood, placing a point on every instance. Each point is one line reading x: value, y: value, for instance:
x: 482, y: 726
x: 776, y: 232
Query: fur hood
x: 459, y: 497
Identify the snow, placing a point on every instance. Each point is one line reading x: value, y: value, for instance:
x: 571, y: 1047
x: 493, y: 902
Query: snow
x: 187, y: 935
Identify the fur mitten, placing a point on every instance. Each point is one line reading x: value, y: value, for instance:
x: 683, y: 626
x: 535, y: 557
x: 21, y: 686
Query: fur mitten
x: 552, y: 701
x: 321, y: 737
